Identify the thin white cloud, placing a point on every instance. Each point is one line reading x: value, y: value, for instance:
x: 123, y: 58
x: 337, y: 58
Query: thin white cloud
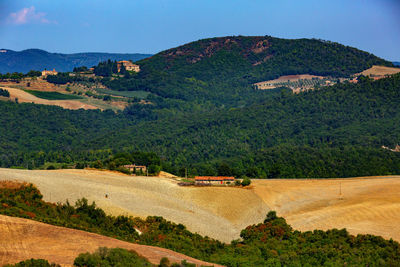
x: 28, y: 15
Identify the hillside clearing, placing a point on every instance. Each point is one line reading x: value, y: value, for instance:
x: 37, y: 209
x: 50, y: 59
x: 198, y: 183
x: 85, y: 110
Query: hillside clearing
x: 367, y: 205
x: 25, y: 97
x: 376, y: 71
x: 24, y: 239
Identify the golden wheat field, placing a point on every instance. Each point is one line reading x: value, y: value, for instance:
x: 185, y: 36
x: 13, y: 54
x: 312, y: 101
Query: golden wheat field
x: 362, y: 205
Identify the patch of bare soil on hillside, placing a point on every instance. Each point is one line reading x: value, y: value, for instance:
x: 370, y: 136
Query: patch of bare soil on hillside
x: 23, y: 239
x: 379, y: 71
x: 24, y: 97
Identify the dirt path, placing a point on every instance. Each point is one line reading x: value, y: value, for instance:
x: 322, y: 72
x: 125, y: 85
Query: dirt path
x: 24, y: 97
x: 23, y: 239
x: 216, y: 212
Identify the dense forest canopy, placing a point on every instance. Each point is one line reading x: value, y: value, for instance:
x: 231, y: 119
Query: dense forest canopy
x: 345, y: 121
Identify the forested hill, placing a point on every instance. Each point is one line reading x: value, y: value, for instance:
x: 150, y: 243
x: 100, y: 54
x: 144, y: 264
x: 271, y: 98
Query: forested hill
x: 36, y: 59
x: 222, y: 70
x: 396, y: 64
x: 337, y: 131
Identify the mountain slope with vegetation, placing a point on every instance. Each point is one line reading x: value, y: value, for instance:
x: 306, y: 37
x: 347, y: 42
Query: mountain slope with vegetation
x: 333, y: 132
x: 202, y: 112
x: 222, y: 70
x: 36, y: 59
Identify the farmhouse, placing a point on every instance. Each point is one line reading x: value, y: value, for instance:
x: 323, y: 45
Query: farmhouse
x: 49, y: 72
x: 213, y: 180
x: 135, y: 168
x: 129, y: 66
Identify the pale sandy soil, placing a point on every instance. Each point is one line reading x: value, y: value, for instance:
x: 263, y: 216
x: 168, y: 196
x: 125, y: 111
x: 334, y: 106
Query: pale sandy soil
x: 24, y: 97
x: 22, y: 239
x: 379, y: 71
x: 366, y: 205
x: 217, y: 212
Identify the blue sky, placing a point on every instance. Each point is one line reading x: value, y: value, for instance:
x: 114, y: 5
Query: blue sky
x: 150, y: 26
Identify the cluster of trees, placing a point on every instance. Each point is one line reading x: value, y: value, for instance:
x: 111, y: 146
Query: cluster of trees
x: 65, y: 77
x: 106, y: 68
x: 17, y: 76
x: 111, y: 257
x: 4, y: 92
x: 271, y: 243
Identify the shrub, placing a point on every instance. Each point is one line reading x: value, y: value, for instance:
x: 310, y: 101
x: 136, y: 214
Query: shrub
x: 246, y: 181
x: 111, y: 257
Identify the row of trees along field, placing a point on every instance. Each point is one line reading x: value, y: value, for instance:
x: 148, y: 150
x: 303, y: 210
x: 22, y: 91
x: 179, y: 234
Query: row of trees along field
x: 335, y: 131
x: 17, y: 76
x: 270, y: 243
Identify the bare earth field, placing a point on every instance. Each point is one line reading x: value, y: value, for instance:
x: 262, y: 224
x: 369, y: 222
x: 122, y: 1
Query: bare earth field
x: 217, y: 212
x: 24, y: 97
x: 368, y: 205
x: 23, y: 239
x: 365, y: 205
x: 379, y: 71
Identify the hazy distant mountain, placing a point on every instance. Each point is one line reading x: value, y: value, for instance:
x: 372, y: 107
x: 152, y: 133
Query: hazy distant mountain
x: 396, y: 63
x: 36, y: 59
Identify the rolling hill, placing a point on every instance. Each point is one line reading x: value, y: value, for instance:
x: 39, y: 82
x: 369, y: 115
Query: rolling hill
x: 273, y: 241
x: 396, y: 63
x: 222, y: 70
x: 36, y: 59
x: 202, y: 112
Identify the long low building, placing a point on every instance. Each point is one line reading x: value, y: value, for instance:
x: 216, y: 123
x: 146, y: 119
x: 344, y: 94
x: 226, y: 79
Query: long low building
x: 214, y: 179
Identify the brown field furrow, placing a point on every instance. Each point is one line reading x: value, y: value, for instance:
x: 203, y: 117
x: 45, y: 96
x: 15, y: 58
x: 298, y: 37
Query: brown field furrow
x: 23, y: 239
